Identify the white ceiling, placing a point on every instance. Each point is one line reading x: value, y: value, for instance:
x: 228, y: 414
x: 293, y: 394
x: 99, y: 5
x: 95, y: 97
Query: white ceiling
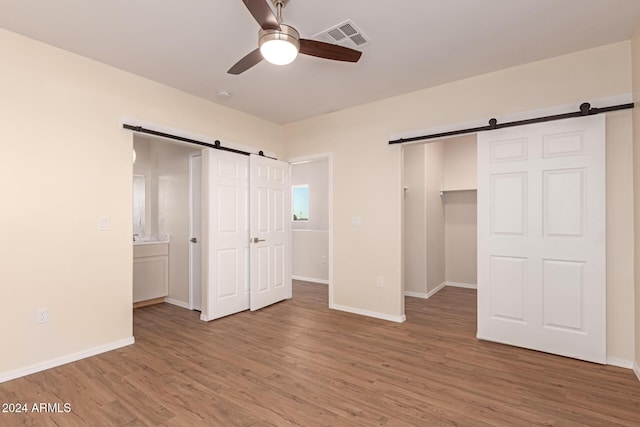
x: 191, y: 44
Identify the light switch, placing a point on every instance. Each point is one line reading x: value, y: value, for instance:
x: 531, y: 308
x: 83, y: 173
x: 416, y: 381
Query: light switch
x: 356, y: 221
x: 103, y: 223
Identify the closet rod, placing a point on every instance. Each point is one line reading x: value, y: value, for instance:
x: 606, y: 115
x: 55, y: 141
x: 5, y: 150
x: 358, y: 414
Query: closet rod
x: 215, y: 145
x: 585, y: 110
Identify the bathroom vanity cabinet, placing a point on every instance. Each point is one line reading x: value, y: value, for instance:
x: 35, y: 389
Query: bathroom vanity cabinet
x: 150, y: 271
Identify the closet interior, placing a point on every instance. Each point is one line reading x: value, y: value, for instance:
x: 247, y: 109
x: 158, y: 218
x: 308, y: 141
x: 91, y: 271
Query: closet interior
x: 440, y: 215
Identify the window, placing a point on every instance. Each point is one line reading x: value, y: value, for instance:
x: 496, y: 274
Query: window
x: 300, y: 194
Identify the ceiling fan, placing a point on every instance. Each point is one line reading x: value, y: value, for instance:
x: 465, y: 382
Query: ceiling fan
x: 279, y: 43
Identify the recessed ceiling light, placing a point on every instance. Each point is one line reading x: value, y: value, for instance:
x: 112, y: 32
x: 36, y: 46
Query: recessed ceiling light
x: 224, y: 94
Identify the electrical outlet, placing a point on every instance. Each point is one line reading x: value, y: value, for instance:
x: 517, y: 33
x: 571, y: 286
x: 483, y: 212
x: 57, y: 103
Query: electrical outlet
x: 380, y: 282
x: 42, y: 315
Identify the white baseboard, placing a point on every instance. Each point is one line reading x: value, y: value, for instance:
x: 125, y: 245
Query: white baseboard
x: 177, y: 303
x: 636, y: 369
x: 462, y: 285
x: 436, y: 290
x: 620, y: 363
x: 311, y: 279
x: 383, y: 316
x: 415, y: 294
x: 425, y: 295
x: 63, y: 360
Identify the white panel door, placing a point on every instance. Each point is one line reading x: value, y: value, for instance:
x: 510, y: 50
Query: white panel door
x: 541, y: 237
x: 228, y: 263
x: 270, y: 231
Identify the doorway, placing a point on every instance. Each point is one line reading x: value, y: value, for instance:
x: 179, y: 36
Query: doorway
x: 166, y: 215
x: 312, y: 219
x: 440, y: 209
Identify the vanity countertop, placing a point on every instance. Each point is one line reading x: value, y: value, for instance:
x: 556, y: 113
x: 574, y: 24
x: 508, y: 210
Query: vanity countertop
x: 153, y: 242
x: 150, y: 240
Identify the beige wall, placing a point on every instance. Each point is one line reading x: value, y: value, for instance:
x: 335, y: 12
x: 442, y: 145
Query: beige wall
x: 415, y: 242
x: 61, y: 116
x: 619, y: 176
x: 460, y: 210
x: 372, y: 186
x: 434, y: 211
x: 460, y: 163
x: 142, y: 166
x: 310, y: 255
x: 424, y: 260
x: 173, y: 214
x: 635, y: 52
x: 461, y: 231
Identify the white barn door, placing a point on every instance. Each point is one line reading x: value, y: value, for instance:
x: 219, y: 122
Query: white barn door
x: 228, y: 268
x: 541, y: 237
x: 270, y: 227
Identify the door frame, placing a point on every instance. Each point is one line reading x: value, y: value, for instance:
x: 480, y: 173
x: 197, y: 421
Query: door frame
x: 192, y: 155
x: 329, y: 158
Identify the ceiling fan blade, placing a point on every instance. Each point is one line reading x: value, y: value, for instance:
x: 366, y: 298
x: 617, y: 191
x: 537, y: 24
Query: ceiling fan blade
x: 329, y: 51
x: 247, y: 62
x: 263, y: 14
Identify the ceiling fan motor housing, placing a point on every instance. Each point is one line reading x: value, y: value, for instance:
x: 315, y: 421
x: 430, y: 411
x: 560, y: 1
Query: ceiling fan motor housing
x: 286, y: 33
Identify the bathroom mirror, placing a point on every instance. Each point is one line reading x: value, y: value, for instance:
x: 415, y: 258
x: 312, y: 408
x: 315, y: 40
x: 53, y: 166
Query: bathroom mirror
x: 138, y: 204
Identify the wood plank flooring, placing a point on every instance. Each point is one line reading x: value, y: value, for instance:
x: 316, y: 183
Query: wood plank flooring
x: 299, y: 363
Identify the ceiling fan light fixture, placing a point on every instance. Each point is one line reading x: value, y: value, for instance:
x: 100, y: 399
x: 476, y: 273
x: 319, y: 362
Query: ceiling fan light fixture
x: 280, y: 44
x: 279, y: 47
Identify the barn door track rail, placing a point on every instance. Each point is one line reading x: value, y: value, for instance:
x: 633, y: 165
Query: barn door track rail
x: 216, y: 145
x: 585, y: 110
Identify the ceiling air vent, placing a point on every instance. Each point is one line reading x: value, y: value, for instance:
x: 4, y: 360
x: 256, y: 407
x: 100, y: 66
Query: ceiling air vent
x: 344, y: 34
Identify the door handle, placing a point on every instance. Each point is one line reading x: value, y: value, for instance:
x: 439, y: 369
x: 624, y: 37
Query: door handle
x: 193, y: 240
x: 256, y: 240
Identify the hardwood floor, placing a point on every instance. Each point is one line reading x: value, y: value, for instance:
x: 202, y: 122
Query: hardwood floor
x: 299, y: 363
